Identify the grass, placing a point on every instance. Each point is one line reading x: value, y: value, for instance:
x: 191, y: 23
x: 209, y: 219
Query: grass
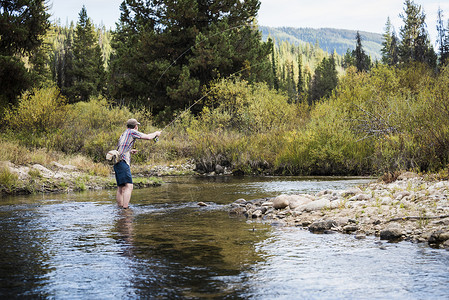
x: 8, y: 179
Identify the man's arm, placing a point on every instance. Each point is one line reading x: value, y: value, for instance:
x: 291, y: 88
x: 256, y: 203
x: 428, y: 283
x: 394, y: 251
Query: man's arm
x: 150, y: 136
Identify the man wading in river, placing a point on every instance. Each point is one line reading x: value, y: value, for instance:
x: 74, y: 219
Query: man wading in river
x: 122, y: 169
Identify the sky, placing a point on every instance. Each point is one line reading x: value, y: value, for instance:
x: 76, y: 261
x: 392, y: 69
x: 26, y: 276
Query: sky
x: 363, y: 15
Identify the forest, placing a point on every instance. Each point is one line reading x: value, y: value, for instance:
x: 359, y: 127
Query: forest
x: 202, y: 73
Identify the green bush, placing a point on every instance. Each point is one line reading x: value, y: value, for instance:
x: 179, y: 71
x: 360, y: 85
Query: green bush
x: 38, y: 111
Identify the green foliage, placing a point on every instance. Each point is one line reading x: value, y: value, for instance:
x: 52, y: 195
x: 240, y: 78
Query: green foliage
x: 415, y: 42
x: 324, y: 80
x: 240, y: 126
x: 88, y: 68
x: 390, y: 55
x: 92, y: 128
x: 42, y: 119
x: 14, y: 79
x: 326, y: 146
x: 166, y: 52
x: 38, y: 111
x: 22, y: 26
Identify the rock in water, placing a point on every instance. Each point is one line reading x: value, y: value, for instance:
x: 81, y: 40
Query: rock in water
x: 392, y: 233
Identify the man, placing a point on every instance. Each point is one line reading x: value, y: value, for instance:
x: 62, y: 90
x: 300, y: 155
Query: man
x: 122, y: 169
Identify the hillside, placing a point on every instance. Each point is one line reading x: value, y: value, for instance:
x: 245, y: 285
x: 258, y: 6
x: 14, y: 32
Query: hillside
x: 329, y: 39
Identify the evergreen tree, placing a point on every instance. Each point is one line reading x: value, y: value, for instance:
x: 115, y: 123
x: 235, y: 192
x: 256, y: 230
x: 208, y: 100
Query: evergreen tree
x: 415, y: 43
x: 390, y: 45
x: 291, y: 88
x: 394, y: 50
x: 23, y: 23
x: 88, y: 69
x: 167, y: 51
x: 274, y: 67
x: 300, y: 87
x: 348, y: 59
x: 324, y: 80
x: 442, y: 38
x: 362, y: 61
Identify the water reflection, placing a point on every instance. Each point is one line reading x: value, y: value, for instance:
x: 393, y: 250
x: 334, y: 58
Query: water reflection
x: 124, y: 229
x: 188, y: 249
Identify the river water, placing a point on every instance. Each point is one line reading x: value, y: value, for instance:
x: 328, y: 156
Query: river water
x: 80, y: 246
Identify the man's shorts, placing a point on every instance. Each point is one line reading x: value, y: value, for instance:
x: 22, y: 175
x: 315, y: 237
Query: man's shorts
x: 122, y: 173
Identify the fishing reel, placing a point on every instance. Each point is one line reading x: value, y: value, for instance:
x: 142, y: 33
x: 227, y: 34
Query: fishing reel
x: 156, y: 139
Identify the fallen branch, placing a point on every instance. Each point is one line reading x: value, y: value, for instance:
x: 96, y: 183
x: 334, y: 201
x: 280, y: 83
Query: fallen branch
x: 418, y: 218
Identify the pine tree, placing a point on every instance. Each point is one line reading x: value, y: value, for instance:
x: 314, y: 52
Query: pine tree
x: 300, y: 87
x: 274, y: 67
x: 442, y: 38
x: 362, y: 61
x: 167, y: 51
x: 324, y: 80
x: 88, y: 70
x: 390, y: 45
x: 394, y: 50
x: 415, y: 43
x: 23, y: 23
x: 291, y: 88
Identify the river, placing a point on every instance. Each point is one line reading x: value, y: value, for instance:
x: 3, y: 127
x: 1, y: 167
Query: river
x: 80, y: 246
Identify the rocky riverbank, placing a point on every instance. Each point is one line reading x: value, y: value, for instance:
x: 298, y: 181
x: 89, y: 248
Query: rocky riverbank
x: 58, y: 178
x: 413, y: 208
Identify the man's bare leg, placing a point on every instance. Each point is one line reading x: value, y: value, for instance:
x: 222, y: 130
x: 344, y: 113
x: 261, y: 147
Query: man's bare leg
x: 127, y: 194
x: 124, y: 195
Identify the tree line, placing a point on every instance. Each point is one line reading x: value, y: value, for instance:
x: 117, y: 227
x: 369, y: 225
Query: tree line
x: 162, y: 55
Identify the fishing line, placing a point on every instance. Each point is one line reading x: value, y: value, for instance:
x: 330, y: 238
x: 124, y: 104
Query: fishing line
x: 213, y: 88
x: 202, y: 97
x: 182, y: 54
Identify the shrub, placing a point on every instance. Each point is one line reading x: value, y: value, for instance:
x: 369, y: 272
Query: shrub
x: 38, y: 111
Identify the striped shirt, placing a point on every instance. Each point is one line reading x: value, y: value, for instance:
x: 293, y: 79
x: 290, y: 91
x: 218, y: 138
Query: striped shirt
x: 126, y: 143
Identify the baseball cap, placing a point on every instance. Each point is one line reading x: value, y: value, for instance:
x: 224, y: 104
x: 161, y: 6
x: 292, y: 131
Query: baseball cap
x: 132, y: 122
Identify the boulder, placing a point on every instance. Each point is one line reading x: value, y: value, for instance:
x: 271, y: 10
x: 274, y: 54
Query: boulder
x: 392, y: 232
x: 240, y: 201
x: 267, y: 204
x: 281, y: 201
x: 322, y: 225
x: 237, y: 210
x: 350, y: 228
x: 320, y: 204
x: 438, y: 237
x: 297, y: 200
x: 219, y: 169
x: 351, y: 192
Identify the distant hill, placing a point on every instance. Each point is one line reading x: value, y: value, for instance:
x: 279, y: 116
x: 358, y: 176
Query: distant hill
x: 329, y: 39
